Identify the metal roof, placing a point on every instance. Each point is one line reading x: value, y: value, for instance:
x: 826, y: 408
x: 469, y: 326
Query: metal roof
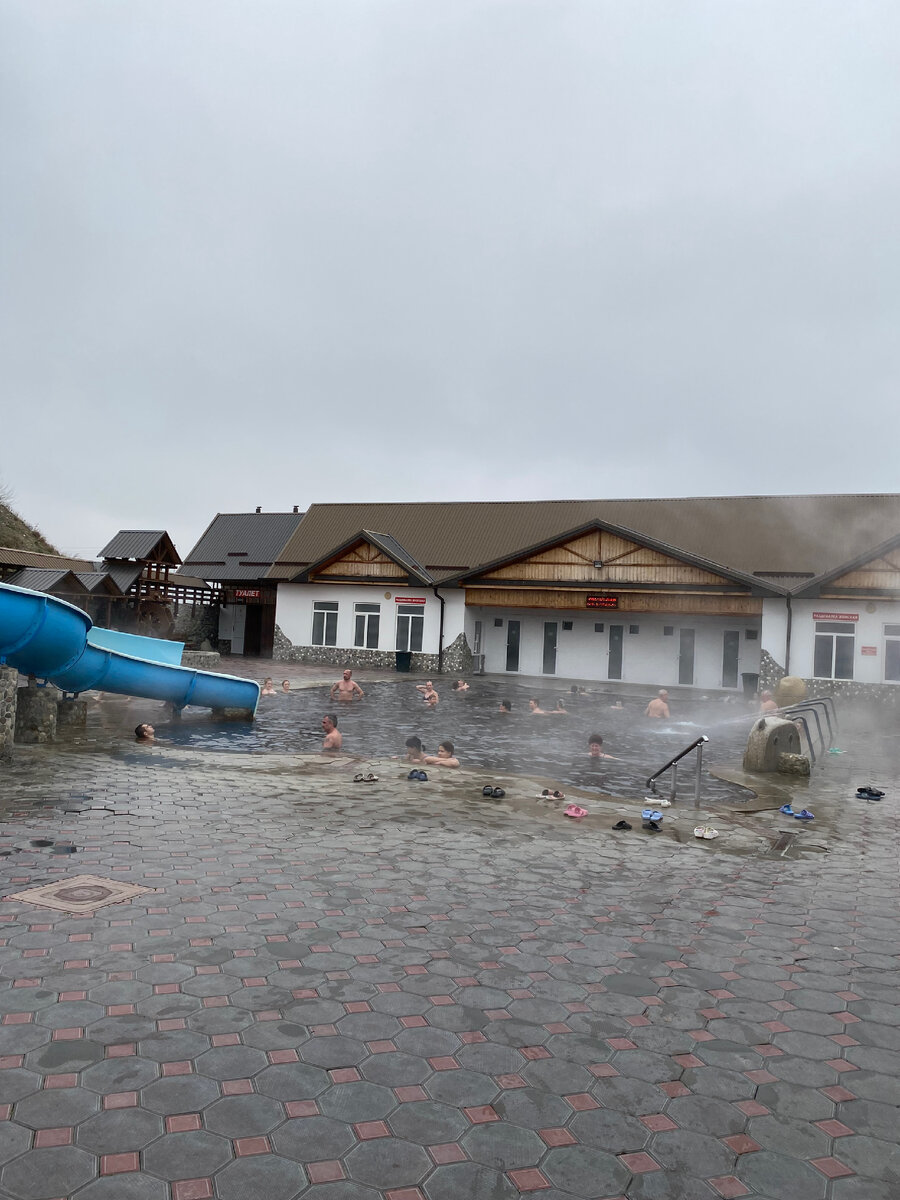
x: 241, y: 546
x: 98, y: 581
x: 43, y: 580
x: 124, y: 574
x: 763, y: 535
x: 141, y: 543
x: 36, y: 558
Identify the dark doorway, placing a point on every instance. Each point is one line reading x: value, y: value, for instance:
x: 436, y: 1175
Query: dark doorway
x: 259, y: 630
x: 549, y: 664
x: 614, y: 661
x: 686, y: 656
x: 512, y: 645
x: 731, y: 652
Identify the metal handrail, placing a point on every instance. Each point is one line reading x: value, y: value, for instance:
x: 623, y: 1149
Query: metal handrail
x: 826, y: 704
x: 673, y: 765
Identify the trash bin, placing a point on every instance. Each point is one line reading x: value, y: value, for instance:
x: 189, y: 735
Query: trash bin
x: 749, y: 679
x: 403, y: 660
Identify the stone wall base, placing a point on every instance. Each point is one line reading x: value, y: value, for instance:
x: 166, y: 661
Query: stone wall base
x: 71, y: 714
x: 9, y: 681
x: 457, y: 657
x: 36, y: 711
x: 771, y: 672
x: 201, y: 660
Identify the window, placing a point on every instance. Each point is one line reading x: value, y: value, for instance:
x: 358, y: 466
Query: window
x: 324, y: 630
x: 668, y: 630
x: 567, y: 625
x: 634, y: 629
x: 368, y: 618
x: 498, y: 622
x: 892, y: 653
x: 833, y: 656
x: 410, y: 627
x: 751, y: 635
x: 599, y: 627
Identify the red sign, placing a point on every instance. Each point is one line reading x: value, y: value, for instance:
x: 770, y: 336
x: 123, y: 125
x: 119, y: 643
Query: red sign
x: 869, y: 650
x: 410, y: 599
x: 835, y: 616
x: 246, y: 593
x: 602, y: 602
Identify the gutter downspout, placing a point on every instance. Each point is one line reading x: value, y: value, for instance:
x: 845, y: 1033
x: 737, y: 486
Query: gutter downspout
x: 787, y: 637
x: 441, y: 631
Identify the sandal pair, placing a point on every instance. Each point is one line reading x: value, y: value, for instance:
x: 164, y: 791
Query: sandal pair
x: 706, y: 832
x: 496, y: 793
x: 546, y: 794
x: 370, y: 778
x: 575, y: 810
x: 418, y: 775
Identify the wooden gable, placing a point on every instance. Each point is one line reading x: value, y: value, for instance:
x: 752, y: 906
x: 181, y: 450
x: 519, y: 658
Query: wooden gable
x: 881, y: 574
x: 362, y: 560
x: 624, y: 562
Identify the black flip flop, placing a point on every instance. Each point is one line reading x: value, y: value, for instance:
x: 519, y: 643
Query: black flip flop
x: 487, y: 790
x: 652, y: 826
x: 869, y: 792
x: 498, y: 793
x: 621, y: 825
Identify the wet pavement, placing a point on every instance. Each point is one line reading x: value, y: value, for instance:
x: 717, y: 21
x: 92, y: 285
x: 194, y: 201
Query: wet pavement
x: 346, y: 991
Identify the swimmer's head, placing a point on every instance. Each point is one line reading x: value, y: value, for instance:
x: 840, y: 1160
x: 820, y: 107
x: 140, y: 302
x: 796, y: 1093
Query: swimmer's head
x: 413, y: 743
x: 595, y: 745
x: 285, y: 685
x: 329, y: 722
x: 506, y: 705
x: 445, y: 750
x: 347, y: 673
x: 144, y: 732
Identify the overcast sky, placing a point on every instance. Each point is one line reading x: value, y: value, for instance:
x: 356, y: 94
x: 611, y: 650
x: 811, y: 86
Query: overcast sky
x: 283, y: 251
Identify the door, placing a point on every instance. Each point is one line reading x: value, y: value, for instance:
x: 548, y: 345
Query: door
x: 512, y: 645
x: 731, y: 648
x: 614, y: 658
x: 686, y: 656
x: 253, y: 630
x: 549, y: 664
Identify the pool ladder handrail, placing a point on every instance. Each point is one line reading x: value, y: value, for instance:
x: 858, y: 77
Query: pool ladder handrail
x: 812, y: 707
x: 673, y: 765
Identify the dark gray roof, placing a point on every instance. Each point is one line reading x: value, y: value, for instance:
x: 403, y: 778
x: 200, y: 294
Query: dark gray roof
x: 41, y: 579
x: 241, y: 546
x: 98, y: 581
x: 124, y: 574
x: 402, y: 557
x: 140, y: 543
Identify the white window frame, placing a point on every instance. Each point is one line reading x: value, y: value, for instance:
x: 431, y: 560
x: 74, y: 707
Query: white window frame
x: 407, y: 616
x: 889, y: 637
x: 365, y: 617
x: 843, y: 629
x: 327, y: 610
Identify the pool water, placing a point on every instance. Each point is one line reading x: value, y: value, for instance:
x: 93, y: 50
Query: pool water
x: 549, y: 747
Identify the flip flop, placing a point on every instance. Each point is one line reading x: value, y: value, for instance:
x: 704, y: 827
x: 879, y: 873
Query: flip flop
x: 370, y: 778
x: 869, y: 792
x: 413, y: 775
x: 621, y: 825
x: 664, y: 803
x: 787, y: 810
x: 487, y: 790
x: 647, y: 814
x: 575, y: 810
x: 498, y: 793
x: 652, y: 826
x: 359, y: 779
x: 706, y: 832
x: 805, y: 815
x: 655, y: 816
x: 423, y: 777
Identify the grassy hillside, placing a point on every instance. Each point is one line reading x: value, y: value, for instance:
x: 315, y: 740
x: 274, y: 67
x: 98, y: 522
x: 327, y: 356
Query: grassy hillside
x: 17, y: 533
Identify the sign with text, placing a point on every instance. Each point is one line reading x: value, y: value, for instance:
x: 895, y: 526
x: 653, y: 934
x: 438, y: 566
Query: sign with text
x: 835, y: 616
x: 410, y: 599
x: 246, y: 593
x: 602, y: 602
x: 869, y: 650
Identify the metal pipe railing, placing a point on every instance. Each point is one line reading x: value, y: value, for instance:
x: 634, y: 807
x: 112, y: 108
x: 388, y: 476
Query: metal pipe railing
x: 672, y: 765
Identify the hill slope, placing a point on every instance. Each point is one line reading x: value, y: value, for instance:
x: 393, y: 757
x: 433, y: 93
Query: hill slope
x: 17, y: 534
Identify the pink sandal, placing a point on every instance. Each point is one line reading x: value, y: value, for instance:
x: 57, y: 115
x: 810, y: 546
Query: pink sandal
x: 575, y: 810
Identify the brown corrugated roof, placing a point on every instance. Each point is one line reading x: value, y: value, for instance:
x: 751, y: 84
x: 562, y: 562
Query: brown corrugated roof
x: 36, y: 558
x: 753, y: 534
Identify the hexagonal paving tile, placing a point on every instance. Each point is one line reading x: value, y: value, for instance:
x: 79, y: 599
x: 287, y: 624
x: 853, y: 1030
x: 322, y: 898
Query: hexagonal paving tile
x: 119, y: 1130
x: 313, y: 1139
x: 266, y: 1176
x: 243, y: 1116
x: 388, y: 1163
x: 428, y: 1123
x: 44, y: 1174
x: 506, y: 1147
x: 585, y: 1172
x: 52, y: 1108
x: 187, y: 1155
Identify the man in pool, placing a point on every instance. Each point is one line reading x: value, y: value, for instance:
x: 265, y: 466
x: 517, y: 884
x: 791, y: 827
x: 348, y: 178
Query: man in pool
x: 595, y: 747
x: 333, y: 740
x: 444, y: 756
x: 144, y: 733
x: 346, y: 689
x: 658, y: 706
x: 414, y: 749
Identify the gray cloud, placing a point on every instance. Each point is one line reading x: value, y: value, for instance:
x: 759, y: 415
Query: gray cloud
x: 291, y: 251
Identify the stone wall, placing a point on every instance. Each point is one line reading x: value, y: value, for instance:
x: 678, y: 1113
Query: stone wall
x: 201, y: 660
x: 9, y: 678
x: 195, y: 628
x: 457, y: 657
x: 770, y: 672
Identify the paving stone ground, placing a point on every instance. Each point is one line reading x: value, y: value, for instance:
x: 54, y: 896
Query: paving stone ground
x: 342, y: 991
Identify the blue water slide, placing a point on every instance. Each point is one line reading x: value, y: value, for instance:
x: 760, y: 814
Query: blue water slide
x: 54, y: 640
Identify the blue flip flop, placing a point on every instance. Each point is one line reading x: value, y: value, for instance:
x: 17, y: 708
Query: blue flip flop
x: 805, y: 815
x: 787, y: 810
x: 647, y: 814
